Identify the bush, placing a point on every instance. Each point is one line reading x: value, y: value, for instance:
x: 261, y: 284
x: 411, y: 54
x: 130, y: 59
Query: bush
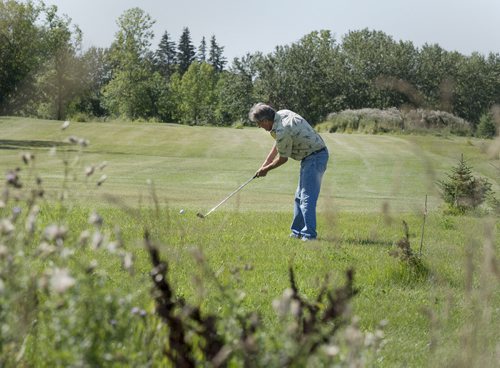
x: 463, y: 191
x: 487, y: 126
x: 80, y: 117
x: 375, y: 121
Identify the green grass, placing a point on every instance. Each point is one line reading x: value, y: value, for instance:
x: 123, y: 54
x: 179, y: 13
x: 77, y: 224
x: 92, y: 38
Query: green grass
x: 196, y: 167
x: 246, y: 242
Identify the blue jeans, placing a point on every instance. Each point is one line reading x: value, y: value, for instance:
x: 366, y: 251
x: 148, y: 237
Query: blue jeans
x: 304, y: 215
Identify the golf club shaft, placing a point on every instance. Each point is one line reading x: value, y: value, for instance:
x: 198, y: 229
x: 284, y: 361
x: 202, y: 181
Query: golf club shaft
x: 229, y: 196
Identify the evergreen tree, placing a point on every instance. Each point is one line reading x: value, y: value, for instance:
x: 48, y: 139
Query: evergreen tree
x: 166, y: 56
x: 202, y: 51
x: 186, y: 53
x: 487, y: 126
x: 463, y: 191
x: 216, y: 57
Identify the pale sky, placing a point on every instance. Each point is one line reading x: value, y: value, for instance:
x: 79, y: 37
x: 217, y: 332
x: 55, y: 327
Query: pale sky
x: 260, y: 25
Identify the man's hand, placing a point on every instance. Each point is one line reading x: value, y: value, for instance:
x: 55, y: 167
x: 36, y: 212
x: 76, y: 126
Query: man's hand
x: 261, y: 172
x: 278, y: 161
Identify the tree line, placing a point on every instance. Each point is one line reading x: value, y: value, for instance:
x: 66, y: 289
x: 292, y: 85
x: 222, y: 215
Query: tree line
x: 44, y: 73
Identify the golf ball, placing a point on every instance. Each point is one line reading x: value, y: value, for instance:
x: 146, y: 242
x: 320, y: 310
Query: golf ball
x: 181, y: 211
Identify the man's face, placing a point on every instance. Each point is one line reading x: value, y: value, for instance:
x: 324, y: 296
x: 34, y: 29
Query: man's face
x: 265, y: 124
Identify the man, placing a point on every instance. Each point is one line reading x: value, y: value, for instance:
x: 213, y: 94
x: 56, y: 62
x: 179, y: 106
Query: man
x: 295, y: 138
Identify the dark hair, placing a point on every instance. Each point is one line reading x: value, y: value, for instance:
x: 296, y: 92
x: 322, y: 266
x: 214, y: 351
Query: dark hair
x: 260, y: 112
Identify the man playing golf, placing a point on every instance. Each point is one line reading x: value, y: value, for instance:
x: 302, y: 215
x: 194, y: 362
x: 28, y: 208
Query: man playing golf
x: 295, y: 138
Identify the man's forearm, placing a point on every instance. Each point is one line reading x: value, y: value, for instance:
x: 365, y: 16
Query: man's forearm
x: 277, y: 162
x: 271, y: 156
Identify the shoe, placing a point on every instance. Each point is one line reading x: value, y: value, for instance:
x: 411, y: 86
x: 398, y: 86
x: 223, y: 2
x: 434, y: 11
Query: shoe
x: 294, y: 236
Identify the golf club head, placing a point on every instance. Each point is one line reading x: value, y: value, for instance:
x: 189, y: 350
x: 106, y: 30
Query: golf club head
x: 200, y: 215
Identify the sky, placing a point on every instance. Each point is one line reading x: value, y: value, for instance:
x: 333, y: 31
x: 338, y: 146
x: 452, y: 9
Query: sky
x: 243, y: 26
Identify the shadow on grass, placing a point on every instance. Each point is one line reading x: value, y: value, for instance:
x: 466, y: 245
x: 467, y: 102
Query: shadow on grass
x: 11, y: 144
x: 357, y: 241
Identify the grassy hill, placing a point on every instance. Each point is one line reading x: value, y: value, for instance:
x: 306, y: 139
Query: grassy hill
x: 439, y: 313
x: 195, y: 167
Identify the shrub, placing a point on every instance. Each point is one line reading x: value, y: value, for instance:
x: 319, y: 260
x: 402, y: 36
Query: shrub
x: 375, y: 121
x: 487, y: 126
x: 80, y: 117
x: 422, y: 120
x: 238, y: 124
x: 463, y: 191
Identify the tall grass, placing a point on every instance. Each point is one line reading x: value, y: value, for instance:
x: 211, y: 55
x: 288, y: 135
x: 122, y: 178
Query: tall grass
x: 81, y: 284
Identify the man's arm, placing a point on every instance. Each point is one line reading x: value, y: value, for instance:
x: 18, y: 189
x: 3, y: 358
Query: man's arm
x: 270, y: 157
x: 278, y: 161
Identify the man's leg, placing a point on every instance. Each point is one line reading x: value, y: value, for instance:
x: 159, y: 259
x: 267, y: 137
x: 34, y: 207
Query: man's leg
x: 298, y: 218
x: 312, y: 169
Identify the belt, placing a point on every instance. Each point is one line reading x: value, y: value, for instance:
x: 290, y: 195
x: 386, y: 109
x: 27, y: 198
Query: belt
x: 318, y: 151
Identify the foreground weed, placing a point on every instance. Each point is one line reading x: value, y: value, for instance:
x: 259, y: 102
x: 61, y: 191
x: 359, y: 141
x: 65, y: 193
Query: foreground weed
x: 411, y: 260
x: 310, y: 332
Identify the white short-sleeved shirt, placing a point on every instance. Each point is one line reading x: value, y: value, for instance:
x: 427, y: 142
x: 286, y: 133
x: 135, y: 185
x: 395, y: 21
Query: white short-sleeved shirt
x: 295, y: 138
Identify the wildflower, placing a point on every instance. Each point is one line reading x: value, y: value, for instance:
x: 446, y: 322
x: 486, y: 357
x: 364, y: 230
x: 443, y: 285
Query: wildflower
x: 241, y: 296
x: 67, y: 252
x: 89, y: 170
x: 370, y: 339
x: 16, y: 211
x: 353, y: 335
x: 295, y: 308
x: 31, y: 219
x: 65, y: 125
x: 83, y: 142
x: 113, y: 246
x: 27, y: 157
x: 95, y: 219
x: 135, y: 310
x: 101, y: 180
x: 282, y: 305
x: 332, y: 350
x: 84, y: 238
x: 4, y: 251
x: 128, y: 262
x: 6, y: 227
x: 72, y: 139
x: 55, y: 233
x: 97, y: 239
x: 379, y: 334
x: 12, y: 179
x: 102, y: 165
x: 61, y: 280
x: 45, y: 249
x: 92, y: 266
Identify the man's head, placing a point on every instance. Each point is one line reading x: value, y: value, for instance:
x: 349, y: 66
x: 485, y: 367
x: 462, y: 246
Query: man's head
x: 262, y: 115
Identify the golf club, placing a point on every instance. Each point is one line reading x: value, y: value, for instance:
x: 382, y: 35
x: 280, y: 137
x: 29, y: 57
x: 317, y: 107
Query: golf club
x: 200, y: 215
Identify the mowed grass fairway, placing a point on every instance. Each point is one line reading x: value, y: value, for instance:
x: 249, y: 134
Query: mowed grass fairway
x: 372, y: 184
x: 196, y: 167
